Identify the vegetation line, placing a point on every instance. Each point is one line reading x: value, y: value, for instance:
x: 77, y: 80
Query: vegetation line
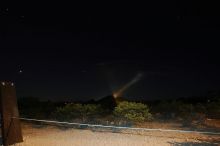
x: 119, y: 127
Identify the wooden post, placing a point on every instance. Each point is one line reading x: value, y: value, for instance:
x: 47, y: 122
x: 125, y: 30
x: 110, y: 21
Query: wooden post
x: 10, y: 123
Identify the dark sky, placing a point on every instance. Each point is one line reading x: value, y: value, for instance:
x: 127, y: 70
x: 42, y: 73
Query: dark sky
x: 79, y: 52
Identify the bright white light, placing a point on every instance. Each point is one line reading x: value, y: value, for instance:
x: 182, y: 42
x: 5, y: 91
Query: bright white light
x: 3, y: 83
x: 12, y: 84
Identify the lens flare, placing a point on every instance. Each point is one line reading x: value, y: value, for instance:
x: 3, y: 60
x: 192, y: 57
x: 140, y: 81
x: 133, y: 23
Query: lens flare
x: 120, y: 92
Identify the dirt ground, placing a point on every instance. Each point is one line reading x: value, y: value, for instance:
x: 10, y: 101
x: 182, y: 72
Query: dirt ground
x: 55, y: 136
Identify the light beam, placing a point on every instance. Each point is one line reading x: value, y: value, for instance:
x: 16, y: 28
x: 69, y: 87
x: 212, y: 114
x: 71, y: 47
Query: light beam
x: 120, y: 92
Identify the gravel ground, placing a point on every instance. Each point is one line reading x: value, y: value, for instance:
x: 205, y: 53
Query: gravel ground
x: 53, y: 136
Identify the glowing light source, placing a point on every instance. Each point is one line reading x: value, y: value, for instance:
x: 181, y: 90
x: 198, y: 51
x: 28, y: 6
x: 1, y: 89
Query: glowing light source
x: 119, y: 92
x: 3, y: 83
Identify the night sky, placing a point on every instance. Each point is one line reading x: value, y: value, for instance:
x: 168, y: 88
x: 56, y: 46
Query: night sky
x: 82, y: 52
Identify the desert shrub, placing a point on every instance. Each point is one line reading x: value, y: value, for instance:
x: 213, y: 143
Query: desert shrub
x: 79, y: 111
x: 213, y: 109
x: 137, y: 112
x: 200, y: 108
x: 185, y: 110
x: 167, y: 109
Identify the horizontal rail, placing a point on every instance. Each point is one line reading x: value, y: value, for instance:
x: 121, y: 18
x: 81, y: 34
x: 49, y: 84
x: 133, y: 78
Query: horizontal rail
x: 120, y: 127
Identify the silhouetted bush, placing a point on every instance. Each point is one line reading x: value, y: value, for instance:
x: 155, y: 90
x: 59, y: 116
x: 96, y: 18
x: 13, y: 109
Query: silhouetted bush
x: 31, y: 107
x: 185, y: 110
x: 213, y: 109
x: 77, y: 111
x: 200, y: 108
x: 167, y: 109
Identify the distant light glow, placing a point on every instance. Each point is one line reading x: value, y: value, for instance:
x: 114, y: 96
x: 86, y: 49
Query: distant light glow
x: 120, y: 92
x: 3, y: 83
